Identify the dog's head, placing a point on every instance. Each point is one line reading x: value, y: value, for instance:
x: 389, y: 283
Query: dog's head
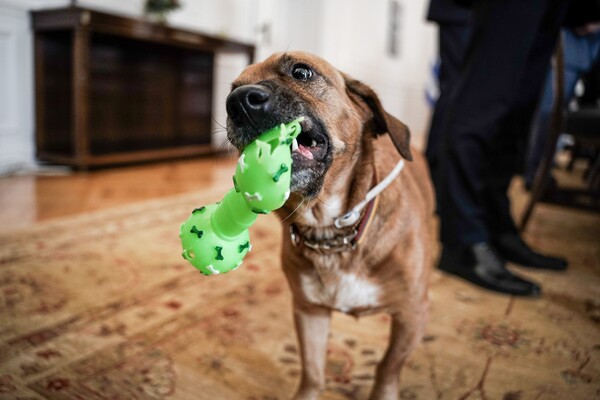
x: 339, y: 113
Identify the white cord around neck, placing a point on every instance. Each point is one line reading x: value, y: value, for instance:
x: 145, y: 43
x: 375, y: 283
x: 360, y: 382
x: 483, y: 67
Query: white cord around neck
x: 353, y: 215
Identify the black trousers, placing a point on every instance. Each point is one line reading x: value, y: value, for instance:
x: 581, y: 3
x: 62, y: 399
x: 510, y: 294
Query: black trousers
x: 452, y: 41
x: 488, y: 115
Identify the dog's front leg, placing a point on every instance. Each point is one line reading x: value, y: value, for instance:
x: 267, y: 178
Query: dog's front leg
x: 403, y: 338
x: 312, y: 327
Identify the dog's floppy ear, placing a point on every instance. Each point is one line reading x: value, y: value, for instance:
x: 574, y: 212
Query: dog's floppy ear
x: 382, y: 122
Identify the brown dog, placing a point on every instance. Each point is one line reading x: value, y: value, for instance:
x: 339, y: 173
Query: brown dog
x: 379, y: 263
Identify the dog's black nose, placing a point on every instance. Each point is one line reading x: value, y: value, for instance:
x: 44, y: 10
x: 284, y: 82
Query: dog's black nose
x: 249, y: 101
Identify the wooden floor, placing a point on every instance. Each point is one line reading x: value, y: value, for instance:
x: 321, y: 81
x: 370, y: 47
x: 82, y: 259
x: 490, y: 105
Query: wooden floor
x: 25, y: 199
x: 30, y: 198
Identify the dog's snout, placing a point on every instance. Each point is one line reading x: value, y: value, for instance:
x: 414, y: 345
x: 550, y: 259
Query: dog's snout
x: 249, y: 101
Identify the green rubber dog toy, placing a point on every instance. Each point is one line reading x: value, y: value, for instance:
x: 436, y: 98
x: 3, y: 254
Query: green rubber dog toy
x: 215, y: 238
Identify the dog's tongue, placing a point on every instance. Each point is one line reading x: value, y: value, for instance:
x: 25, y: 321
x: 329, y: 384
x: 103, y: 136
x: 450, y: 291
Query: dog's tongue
x: 305, y: 152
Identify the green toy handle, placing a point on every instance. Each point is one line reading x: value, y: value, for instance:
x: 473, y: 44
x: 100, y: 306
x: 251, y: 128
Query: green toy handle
x: 215, y: 238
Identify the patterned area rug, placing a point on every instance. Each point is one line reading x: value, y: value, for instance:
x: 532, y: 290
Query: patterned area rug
x: 102, y: 306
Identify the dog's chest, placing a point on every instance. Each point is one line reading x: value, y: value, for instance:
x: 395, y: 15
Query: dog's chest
x: 344, y: 292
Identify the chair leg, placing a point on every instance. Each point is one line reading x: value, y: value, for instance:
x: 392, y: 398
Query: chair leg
x: 543, y: 173
x: 593, y: 178
x: 539, y: 189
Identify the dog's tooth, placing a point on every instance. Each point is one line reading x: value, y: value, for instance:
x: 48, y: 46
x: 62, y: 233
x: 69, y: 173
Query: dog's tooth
x: 294, y: 145
x: 313, y: 143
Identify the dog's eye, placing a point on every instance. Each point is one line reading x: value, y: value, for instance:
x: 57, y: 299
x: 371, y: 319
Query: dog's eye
x: 302, y: 72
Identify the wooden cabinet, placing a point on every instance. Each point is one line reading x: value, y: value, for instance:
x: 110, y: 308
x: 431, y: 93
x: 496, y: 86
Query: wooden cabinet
x: 112, y: 90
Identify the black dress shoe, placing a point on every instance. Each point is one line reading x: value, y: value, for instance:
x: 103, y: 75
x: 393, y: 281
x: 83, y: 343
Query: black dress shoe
x: 513, y: 249
x: 479, y: 264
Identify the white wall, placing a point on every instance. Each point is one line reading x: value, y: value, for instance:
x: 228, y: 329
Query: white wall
x: 16, y: 90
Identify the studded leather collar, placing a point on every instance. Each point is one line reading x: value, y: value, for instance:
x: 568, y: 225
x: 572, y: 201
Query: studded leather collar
x: 339, y: 243
x: 347, y: 240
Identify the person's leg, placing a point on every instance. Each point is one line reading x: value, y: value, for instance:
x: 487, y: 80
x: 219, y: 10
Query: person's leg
x: 510, y: 141
x: 453, y: 40
x: 505, y: 236
x: 504, y: 38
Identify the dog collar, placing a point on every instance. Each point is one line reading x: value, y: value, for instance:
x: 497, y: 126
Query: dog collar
x: 351, y: 218
x: 353, y: 215
x: 342, y: 242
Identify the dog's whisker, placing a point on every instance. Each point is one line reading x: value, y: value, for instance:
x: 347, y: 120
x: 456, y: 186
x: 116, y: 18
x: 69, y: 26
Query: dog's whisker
x: 217, y: 132
x: 296, y: 209
x: 302, y: 212
x: 217, y: 122
x: 321, y: 201
x: 226, y: 145
x: 292, y: 213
